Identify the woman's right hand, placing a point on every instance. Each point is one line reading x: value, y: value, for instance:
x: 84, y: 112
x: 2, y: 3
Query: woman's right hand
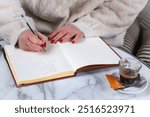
x: 30, y: 42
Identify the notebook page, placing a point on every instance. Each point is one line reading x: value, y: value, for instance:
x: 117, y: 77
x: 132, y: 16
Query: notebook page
x: 32, y: 65
x: 91, y: 51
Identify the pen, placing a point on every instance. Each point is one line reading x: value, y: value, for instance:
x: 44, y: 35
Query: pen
x: 42, y: 45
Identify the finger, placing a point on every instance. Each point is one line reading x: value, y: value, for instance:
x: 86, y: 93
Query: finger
x: 49, y: 36
x: 33, y: 47
x: 35, y: 40
x: 59, y: 36
x: 42, y: 37
x: 77, y: 38
x: 54, y: 33
x: 23, y: 46
x: 66, y: 38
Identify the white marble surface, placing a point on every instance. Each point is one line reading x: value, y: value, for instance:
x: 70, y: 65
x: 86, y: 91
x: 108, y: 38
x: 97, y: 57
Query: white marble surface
x: 85, y: 86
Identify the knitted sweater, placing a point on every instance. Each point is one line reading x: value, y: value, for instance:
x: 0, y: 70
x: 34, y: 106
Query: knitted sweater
x: 108, y: 19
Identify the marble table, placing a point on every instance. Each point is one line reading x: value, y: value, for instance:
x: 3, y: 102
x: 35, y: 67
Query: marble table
x: 85, y: 86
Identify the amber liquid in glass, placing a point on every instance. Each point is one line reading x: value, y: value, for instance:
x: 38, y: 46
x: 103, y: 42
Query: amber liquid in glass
x: 128, y: 77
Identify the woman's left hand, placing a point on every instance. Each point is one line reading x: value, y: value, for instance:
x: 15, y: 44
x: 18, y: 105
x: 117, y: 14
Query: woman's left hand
x: 66, y: 33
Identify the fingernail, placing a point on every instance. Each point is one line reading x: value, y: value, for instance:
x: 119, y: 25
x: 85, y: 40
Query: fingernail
x: 73, y: 42
x: 52, y: 41
x: 60, y: 40
x: 49, y: 38
x: 43, y: 45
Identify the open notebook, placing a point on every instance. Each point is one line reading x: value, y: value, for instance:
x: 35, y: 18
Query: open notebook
x: 59, y: 61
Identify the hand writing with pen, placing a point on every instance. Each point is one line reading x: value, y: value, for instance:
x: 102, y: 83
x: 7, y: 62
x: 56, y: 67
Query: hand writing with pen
x: 31, y: 42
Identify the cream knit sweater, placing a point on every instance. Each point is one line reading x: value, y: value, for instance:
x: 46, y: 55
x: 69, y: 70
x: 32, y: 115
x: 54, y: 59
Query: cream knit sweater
x: 108, y: 19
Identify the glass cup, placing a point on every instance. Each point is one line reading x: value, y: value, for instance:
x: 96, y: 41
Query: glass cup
x: 129, y: 71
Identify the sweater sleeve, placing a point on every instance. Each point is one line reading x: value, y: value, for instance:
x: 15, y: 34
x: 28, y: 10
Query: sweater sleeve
x: 110, y: 18
x: 11, y: 23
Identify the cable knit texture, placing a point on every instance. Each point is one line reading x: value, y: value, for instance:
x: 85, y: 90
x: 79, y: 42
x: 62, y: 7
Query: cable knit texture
x: 108, y: 19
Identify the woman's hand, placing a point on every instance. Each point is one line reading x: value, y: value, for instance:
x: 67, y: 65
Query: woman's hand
x: 66, y: 33
x: 30, y: 42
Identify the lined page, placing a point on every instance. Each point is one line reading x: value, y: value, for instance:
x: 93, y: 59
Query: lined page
x: 91, y: 51
x: 33, y: 65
